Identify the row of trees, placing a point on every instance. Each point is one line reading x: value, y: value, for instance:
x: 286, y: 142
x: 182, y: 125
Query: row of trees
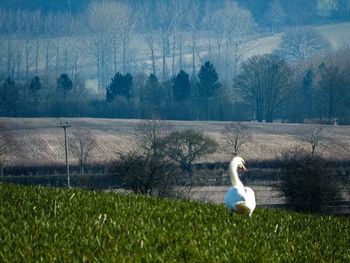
x: 267, y: 88
x: 109, y: 33
x: 161, y: 38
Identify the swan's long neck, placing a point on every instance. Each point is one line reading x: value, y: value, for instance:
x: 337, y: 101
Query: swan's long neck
x: 234, y: 175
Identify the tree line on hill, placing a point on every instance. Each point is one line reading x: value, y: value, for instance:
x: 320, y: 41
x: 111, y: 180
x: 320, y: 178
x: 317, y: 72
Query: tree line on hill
x: 267, y: 88
x: 174, y: 59
x: 159, y: 37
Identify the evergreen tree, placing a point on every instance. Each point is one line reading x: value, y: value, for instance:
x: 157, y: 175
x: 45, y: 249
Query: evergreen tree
x: 181, y: 86
x: 307, y: 93
x: 120, y: 86
x: 64, y: 83
x: 9, y: 98
x: 35, y: 84
x: 34, y: 87
x: 208, y: 80
x: 208, y: 85
x: 128, y: 83
x: 153, y: 96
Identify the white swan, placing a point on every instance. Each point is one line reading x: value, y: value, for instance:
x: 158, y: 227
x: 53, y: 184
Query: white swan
x: 238, y: 198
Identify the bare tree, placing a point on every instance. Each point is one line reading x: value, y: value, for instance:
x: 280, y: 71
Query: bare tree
x: 235, y: 136
x: 143, y: 175
x: 148, y: 32
x: 48, y: 32
x: 208, y: 26
x: 265, y: 81
x: 330, y: 91
x: 219, y: 34
x: 194, y: 25
x: 146, y: 169
x: 315, y: 137
x: 186, y: 147
x: 60, y: 24
x: 127, y: 27
x: 166, y: 18
x: 275, y: 15
x: 232, y: 26
x: 102, y: 17
x: 240, y: 25
x: 82, y: 145
x: 301, y: 44
x: 179, y: 25
x: 151, y: 134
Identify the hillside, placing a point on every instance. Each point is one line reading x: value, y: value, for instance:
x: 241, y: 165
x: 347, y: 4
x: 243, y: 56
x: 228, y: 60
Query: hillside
x: 40, y: 142
x: 48, y: 224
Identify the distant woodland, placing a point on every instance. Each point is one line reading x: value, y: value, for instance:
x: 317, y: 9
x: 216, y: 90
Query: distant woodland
x: 174, y: 59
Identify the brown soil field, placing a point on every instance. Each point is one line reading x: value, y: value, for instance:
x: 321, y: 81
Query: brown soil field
x: 39, y: 141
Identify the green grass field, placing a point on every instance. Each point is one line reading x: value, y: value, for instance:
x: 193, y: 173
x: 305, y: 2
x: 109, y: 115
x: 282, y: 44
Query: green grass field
x: 47, y: 224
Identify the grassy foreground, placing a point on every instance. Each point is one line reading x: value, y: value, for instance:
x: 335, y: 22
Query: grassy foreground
x: 50, y: 224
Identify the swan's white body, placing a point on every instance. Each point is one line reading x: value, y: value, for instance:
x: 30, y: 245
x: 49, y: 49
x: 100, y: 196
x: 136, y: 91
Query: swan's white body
x: 238, y: 198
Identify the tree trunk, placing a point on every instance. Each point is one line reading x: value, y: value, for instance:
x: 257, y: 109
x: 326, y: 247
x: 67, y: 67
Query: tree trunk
x: 193, y: 54
x: 47, y: 55
x: 18, y: 58
x: 115, y: 53
x: 153, y: 61
x: 27, y: 62
x: 180, y: 50
x: 226, y: 61
x: 163, y: 55
x: 98, y: 67
x: 173, y: 60
x: 57, y: 55
x: 9, y: 57
x: 124, y: 55
x: 37, y: 57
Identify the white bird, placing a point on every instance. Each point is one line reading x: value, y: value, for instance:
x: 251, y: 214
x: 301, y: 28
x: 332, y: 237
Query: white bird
x: 238, y: 198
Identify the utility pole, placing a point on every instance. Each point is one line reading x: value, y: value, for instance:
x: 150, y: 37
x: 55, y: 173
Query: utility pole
x: 66, y: 125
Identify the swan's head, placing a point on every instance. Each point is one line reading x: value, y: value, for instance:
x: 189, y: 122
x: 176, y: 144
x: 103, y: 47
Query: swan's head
x: 239, y: 163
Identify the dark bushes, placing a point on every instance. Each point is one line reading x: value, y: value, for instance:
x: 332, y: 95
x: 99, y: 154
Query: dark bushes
x: 308, y: 182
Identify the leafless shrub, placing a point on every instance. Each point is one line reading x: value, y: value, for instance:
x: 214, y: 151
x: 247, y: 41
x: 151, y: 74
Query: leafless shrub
x: 235, y: 135
x: 143, y: 174
x: 315, y: 137
x: 185, y: 147
x: 308, y: 182
x: 82, y: 144
x: 151, y: 136
x: 147, y: 170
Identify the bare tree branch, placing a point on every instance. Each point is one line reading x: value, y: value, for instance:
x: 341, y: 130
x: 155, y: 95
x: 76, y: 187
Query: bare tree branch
x: 82, y: 145
x: 236, y: 135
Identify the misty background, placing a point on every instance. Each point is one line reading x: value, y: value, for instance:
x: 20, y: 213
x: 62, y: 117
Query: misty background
x: 247, y: 60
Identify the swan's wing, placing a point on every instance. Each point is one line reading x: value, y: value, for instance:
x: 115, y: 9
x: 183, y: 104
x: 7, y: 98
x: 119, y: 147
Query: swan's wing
x: 232, y: 196
x: 250, y: 198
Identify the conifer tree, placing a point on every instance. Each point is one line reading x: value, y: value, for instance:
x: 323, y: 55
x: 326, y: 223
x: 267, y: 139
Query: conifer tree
x: 208, y: 86
x: 120, y: 86
x: 181, y: 86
